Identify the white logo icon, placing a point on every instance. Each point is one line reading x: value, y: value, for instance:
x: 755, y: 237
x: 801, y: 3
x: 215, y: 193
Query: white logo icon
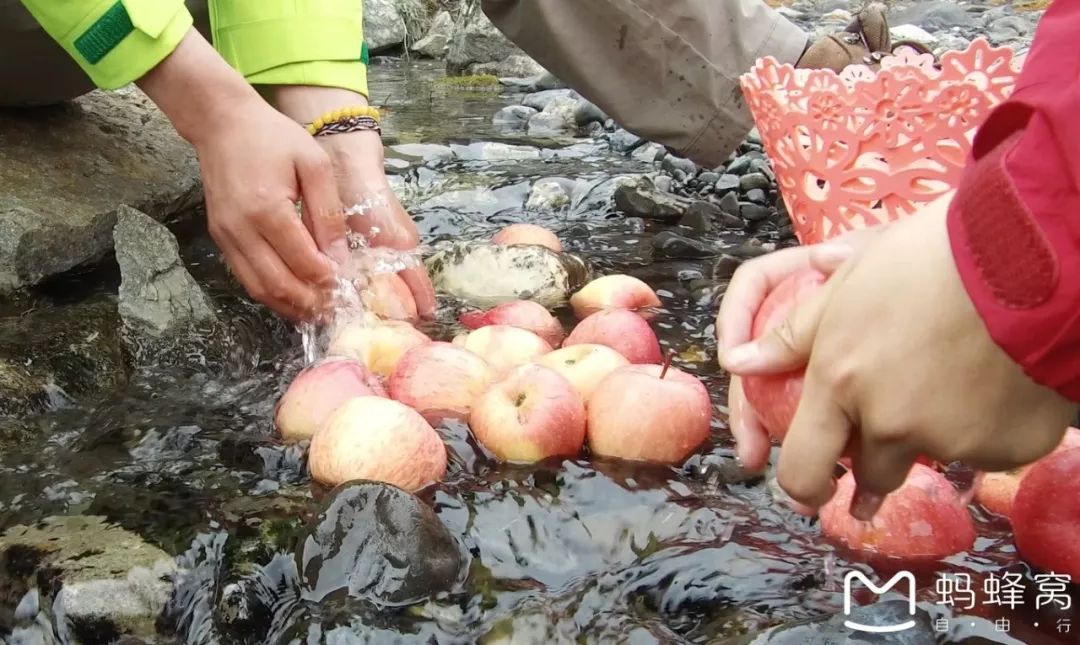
x: 880, y: 629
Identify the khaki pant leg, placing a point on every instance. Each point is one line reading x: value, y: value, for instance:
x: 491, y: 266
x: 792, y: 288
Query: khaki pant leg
x: 35, y: 70
x: 666, y: 70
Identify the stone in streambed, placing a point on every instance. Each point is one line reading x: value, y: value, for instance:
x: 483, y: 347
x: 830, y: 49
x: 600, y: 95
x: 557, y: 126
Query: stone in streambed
x: 547, y: 194
x: 753, y: 180
x: 436, y: 41
x: 623, y: 141
x: 587, y: 112
x: 673, y: 245
x: 673, y: 164
x: 726, y: 183
x: 540, y: 100
x: 757, y: 196
x: 641, y: 200
x: 515, y: 117
x: 754, y: 212
x: 831, y: 628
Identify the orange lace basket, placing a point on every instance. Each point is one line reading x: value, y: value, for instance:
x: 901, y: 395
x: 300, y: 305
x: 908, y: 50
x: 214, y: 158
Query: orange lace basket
x: 863, y: 147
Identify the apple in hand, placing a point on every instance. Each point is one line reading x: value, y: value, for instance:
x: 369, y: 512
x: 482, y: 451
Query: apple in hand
x: 528, y: 234
x: 584, y: 365
x: 504, y: 347
x: 924, y: 519
x: 379, y: 345
x: 621, y: 330
x: 1046, y: 514
x: 613, y: 292
x: 996, y: 491
x: 530, y: 414
x: 377, y: 439
x: 388, y: 296
x: 317, y: 391
x: 652, y: 413
x: 524, y: 314
x: 775, y: 397
x: 440, y: 380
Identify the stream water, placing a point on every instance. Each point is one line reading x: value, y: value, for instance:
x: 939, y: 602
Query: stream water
x: 565, y: 551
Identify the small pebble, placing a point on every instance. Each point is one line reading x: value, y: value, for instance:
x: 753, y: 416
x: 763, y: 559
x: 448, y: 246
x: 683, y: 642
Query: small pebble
x: 726, y: 183
x: 740, y: 166
x: 729, y: 203
x: 754, y: 212
x: 672, y: 164
x: 756, y: 195
x: 673, y: 245
x: 709, y: 177
x: 753, y: 180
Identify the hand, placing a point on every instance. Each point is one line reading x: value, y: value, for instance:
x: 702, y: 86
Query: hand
x: 256, y: 164
x: 899, y: 364
x: 752, y: 282
x: 357, y: 162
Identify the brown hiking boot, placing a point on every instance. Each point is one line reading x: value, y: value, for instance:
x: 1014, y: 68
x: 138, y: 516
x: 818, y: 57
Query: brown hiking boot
x: 864, y: 41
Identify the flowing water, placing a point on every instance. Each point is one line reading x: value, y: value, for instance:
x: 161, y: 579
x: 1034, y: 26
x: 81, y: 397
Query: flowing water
x: 183, y: 454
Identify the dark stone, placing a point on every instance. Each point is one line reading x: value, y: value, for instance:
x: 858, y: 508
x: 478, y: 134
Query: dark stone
x: 595, y: 130
x: 514, y: 117
x: 831, y: 628
x: 673, y: 245
x: 623, y: 141
x: 757, y: 196
x: 709, y: 178
x: 648, y: 203
x: 380, y: 543
x: 726, y: 266
x: 586, y: 112
x: 546, y: 81
x: 726, y: 184
x: 664, y: 184
x: 700, y: 217
x: 740, y: 166
x: 753, y: 180
x: 747, y: 250
x: 754, y: 212
x: 729, y: 203
x: 675, y: 164
x: 764, y: 167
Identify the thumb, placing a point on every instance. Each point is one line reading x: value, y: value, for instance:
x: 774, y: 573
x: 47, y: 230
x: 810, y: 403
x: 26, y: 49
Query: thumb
x: 786, y: 347
x: 879, y: 469
x: 324, y: 215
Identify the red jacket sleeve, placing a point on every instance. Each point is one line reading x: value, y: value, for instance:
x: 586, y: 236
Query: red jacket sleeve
x: 1014, y: 223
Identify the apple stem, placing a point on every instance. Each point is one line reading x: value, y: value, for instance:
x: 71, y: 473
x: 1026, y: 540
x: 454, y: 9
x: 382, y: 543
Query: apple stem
x: 667, y: 363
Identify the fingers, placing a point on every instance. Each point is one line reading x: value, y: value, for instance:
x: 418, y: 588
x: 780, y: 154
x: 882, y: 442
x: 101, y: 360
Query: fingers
x: 814, y: 443
x: 785, y: 348
x: 879, y: 468
x: 323, y: 213
x: 422, y: 290
x: 277, y: 287
x: 286, y: 234
x: 751, y: 439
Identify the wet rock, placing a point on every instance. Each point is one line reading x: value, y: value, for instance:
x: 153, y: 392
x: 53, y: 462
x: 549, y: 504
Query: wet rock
x: 158, y: 297
x: 421, y: 152
x: 729, y: 203
x: 748, y: 250
x: 753, y: 180
x: 516, y: 65
x: 675, y: 164
x: 547, y: 194
x: 485, y: 275
x: 726, y: 183
x: 648, y: 153
x: 101, y: 582
x: 66, y: 170
x: 540, y: 100
x: 831, y: 629
x: 380, y: 543
x: 709, y: 178
x: 934, y: 15
x: 725, y: 267
x: 436, y: 41
x: 740, y: 166
x: 697, y: 220
x: 556, y: 118
x: 514, y: 117
x: 641, y: 200
x: 623, y: 141
x: 673, y: 245
x: 494, y: 151
x: 663, y: 183
x: 384, y: 27
x: 586, y: 112
x: 754, y: 212
x: 706, y: 213
x: 762, y: 166
x: 475, y: 40
x: 757, y: 196
x: 546, y: 81
x: 54, y: 354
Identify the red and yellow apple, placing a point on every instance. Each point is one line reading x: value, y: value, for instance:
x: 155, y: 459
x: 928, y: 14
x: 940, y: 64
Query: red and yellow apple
x: 1046, y: 514
x: 379, y: 345
x: 377, y: 439
x: 388, y: 296
x: 528, y: 234
x: 621, y: 330
x: 525, y: 314
x: 924, y: 519
x: 440, y: 380
x: 997, y: 491
x: 317, y: 391
x: 654, y: 413
x: 584, y: 365
x: 504, y: 347
x: 614, y: 292
x: 530, y: 414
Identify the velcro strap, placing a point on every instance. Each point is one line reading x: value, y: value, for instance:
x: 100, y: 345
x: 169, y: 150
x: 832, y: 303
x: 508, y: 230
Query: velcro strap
x: 105, y: 34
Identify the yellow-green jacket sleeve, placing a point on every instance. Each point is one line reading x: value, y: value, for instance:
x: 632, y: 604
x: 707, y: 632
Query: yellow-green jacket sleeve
x: 300, y: 42
x: 114, y: 41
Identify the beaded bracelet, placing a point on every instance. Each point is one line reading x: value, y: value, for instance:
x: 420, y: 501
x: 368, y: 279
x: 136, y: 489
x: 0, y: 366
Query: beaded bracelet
x: 350, y: 119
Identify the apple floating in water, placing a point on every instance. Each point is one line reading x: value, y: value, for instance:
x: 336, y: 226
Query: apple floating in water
x: 524, y: 314
x: 377, y: 439
x: 996, y: 491
x: 1046, y: 514
x: 388, y: 296
x: 530, y: 414
x: 318, y: 391
x: 528, y: 234
x: 621, y: 330
x: 924, y: 519
x: 654, y: 413
x: 585, y: 366
x: 379, y: 345
x: 613, y: 292
x: 504, y: 347
x: 440, y: 380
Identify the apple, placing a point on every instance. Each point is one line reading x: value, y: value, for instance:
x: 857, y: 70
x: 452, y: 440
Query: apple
x: 530, y: 414
x: 317, y: 391
x: 775, y: 397
x: 924, y: 519
x: 621, y: 330
x: 440, y: 380
x: 613, y: 292
x: 1046, y: 514
x: 584, y: 365
x: 528, y: 234
x: 379, y: 345
x: 388, y: 296
x: 377, y: 439
x: 997, y: 491
x: 525, y: 314
x: 654, y: 413
x: 504, y: 347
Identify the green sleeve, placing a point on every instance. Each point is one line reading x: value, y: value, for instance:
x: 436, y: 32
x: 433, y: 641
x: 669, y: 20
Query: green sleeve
x: 301, y: 42
x: 114, y: 41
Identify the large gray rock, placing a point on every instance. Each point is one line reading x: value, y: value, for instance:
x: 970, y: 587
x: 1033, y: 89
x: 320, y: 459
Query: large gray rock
x: 97, y: 578
x: 384, y: 26
x: 65, y: 171
x: 435, y: 43
x: 158, y: 296
x: 476, y: 40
